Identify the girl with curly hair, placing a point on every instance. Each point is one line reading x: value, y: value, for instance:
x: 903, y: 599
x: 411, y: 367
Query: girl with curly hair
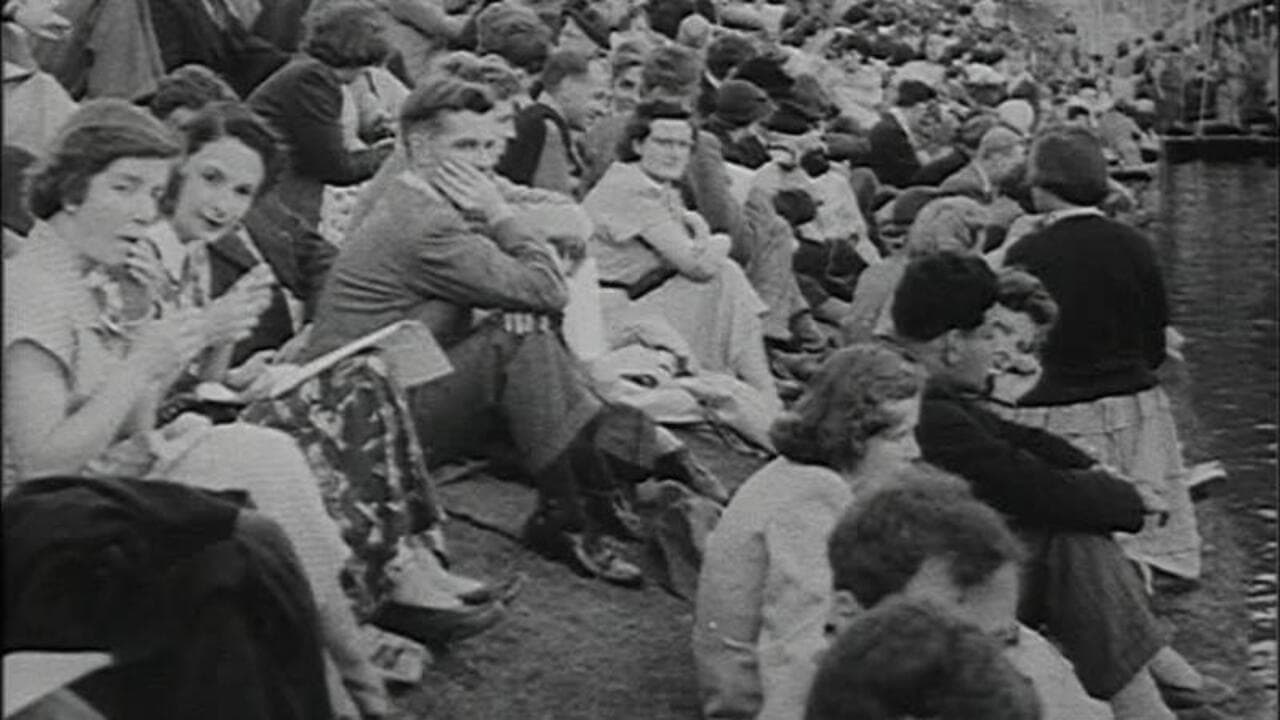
x: 765, y: 583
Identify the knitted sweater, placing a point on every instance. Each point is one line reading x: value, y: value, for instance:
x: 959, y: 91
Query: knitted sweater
x: 1112, y: 310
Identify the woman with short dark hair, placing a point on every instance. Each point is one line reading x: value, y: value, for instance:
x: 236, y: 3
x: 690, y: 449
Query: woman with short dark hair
x: 765, y: 582
x: 304, y: 100
x: 658, y: 258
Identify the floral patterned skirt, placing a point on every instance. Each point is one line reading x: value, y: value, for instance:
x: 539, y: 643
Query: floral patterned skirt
x: 354, y: 427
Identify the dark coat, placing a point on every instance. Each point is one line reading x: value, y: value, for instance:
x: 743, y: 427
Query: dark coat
x: 538, y: 158
x: 303, y: 102
x: 1036, y: 478
x: 201, y: 614
x: 299, y: 257
x: 187, y: 34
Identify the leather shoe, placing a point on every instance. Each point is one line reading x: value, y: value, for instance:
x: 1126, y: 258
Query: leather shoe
x: 587, y: 557
x: 595, y: 559
x: 437, y: 627
x: 504, y: 592
x: 1211, y: 692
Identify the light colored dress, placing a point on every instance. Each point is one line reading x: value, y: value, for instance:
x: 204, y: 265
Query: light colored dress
x: 51, y: 302
x: 765, y: 571
x: 720, y: 317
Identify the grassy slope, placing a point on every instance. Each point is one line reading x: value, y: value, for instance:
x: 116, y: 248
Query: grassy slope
x: 575, y: 649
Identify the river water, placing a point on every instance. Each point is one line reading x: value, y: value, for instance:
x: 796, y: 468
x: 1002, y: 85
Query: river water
x: 1217, y: 235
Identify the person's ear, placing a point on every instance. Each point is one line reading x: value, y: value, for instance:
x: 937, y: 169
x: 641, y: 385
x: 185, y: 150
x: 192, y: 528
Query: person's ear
x: 415, y: 146
x: 844, y: 609
x: 951, y: 348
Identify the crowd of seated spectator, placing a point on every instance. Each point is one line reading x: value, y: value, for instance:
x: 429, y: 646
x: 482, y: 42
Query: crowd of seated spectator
x: 271, y: 265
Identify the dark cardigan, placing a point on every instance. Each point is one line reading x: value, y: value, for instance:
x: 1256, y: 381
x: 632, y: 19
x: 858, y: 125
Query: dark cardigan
x: 1112, y: 311
x: 303, y: 102
x: 300, y: 259
x: 187, y: 35
x: 1037, y: 479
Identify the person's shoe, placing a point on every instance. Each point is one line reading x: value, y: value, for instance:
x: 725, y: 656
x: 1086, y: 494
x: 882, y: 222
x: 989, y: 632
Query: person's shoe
x: 504, y: 592
x: 436, y: 627
x: 799, y: 366
x: 592, y: 559
x: 595, y: 559
x: 1210, y: 692
x: 789, y: 390
x: 1202, y: 478
x: 699, y: 478
x: 1165, y: 584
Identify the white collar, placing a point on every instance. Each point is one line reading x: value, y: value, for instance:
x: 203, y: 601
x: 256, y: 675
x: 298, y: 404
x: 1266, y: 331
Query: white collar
x: 898, y: 114
x: 987, y: 186
x: 1067, y: 213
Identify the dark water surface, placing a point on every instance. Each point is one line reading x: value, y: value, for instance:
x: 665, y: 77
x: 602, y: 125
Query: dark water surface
x: 1217, y: 235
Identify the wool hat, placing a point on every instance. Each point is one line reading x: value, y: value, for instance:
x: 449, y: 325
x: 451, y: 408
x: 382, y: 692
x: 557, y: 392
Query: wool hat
x: 1069, y: 163
x: 998, y: 139
x: 789, y: 119
x: 914, y: 92
x: 909, y: 204
x: 766, y: 73
x: 740, y: 103
x: 795, y: 206
x: 901, y: 211
x: 727, y: 52
x: 694, y: 31
x: 855, y: 15
x: 940, y: 293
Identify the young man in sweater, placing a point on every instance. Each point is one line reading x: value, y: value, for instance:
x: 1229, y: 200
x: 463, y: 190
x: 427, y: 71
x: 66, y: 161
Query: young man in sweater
x: 1063, y: 504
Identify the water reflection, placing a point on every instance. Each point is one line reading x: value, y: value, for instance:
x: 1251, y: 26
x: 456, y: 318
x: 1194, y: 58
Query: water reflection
x: 1217, y: 235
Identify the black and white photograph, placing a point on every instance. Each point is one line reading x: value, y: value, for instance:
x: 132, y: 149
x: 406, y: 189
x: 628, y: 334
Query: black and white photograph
x: 640, y: 359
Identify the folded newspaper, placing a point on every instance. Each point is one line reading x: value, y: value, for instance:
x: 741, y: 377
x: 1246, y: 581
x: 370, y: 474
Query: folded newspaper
x: 408, y: 347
